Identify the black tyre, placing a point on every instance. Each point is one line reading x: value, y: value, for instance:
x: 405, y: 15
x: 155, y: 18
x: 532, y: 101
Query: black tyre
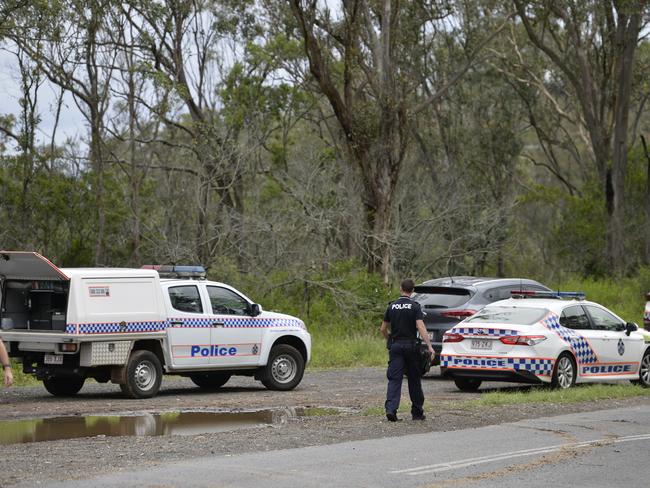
x: 284, y: 369
x: 467, y: 384
x: 644, y: 371
x: 210, y: 381
x: 64, y: 386
x: 143, y: 375
x: 564, y: 372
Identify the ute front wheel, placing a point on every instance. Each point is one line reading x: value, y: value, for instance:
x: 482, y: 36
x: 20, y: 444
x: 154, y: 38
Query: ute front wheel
x: 143, y: 375
x: 64, y: 386
x: 284, y: 369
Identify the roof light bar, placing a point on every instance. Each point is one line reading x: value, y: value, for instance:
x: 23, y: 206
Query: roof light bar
x: 174, y: 271
x: 576, y: 295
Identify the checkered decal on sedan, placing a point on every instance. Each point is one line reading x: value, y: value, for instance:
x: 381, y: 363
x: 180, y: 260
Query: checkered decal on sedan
x: 583, y: 351
x: 134, y: 327
x: 538, y: 366
x: 484, y: 331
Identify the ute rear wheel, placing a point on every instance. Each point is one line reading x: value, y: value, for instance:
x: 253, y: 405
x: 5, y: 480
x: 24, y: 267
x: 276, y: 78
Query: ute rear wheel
x: 143, y: 375
x: 564, y: 372
x: 644, y: 371
x: 210, y: 381
x: 467, y: 384
x: 284, y: 369
x: 64, y: 386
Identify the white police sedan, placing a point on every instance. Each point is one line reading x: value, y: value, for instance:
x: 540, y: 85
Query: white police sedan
x: 556, y: 338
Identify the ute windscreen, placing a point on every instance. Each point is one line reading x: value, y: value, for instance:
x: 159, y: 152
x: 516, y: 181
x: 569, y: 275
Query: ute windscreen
x: 508, y: 315
x: 440, y: 296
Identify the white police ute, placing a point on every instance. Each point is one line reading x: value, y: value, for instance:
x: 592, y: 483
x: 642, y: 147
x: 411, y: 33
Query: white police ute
x: 131, y: 326
x: 557, y: 338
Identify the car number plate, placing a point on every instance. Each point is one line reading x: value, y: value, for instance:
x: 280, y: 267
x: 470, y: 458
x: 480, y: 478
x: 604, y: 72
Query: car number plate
x: 53, y: 359
x: 481, y: 344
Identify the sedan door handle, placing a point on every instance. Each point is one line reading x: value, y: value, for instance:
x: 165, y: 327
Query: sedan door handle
x: 217, y: 324
x: 176, y: 324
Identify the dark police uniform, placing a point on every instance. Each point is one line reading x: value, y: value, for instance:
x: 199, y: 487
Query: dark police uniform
x: 403, y: 354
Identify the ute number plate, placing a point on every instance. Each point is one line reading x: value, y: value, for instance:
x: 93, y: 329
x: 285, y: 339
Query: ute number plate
x: 53, y: 359
x: 481, y: 344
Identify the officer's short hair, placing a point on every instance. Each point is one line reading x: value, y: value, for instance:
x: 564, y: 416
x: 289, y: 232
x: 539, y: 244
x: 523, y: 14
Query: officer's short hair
x: 407, y: 285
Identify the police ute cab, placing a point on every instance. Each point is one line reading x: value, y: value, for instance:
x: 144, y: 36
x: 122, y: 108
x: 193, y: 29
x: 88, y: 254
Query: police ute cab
x: 557, y: 338
x: 130, y: 326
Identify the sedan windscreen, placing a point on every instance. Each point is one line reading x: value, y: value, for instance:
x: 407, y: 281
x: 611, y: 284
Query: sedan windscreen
x: 440, y: 296
x: 508, y: 315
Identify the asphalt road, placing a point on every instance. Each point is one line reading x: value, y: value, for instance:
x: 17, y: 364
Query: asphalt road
x: 592, y: 449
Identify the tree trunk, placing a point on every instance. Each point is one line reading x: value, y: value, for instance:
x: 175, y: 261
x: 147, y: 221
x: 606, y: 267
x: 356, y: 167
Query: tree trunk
x: 645, y: 233
x: 626, y: 39
x: 97, y: 163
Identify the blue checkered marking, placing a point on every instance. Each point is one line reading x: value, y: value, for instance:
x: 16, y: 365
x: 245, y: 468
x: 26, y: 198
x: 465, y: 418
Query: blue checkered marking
x: 114, y: 327
x: 583, y: 351
x: 486, y: 331
x: 538, y: 366
x: 133, y: 327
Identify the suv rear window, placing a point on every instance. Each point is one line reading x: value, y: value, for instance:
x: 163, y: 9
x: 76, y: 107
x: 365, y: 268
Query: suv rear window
x: 508, y: 315
x: 440, y: 296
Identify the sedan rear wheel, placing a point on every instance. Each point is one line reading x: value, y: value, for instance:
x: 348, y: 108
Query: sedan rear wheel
x: 467, y: 384
x: 564, y: 373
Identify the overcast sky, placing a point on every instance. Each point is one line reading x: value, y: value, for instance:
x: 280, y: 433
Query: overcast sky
x: 71, y: 122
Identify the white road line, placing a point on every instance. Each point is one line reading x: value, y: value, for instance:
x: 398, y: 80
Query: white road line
x: 463, y: 463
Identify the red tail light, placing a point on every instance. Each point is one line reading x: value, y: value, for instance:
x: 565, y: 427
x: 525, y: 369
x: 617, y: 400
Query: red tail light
x: 523, y: 340
x: 458, y: 314
x: 451, y: 337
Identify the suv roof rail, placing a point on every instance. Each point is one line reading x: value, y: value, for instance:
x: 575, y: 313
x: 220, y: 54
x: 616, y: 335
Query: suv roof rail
x: 570, y: 295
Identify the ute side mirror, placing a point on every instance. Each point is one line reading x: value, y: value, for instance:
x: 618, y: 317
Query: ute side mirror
x: 630, y: 327
x: 256, y: 309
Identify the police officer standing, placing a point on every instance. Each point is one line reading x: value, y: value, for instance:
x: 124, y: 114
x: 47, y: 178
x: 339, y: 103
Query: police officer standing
x: 6, y: 365
x: 404, y: 319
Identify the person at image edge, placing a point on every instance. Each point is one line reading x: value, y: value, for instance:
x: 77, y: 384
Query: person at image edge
x: 6, y: 365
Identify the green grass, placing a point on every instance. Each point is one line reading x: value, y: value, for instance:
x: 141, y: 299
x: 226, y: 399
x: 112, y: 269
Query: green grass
x: 581, y: 393
x: 20, y: 378
x: 623, y: 296
x: 347, y: 350
x: 404, y: 408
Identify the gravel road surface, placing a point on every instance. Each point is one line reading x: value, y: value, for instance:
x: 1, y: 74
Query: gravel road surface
x: 352, y: 390
x: 589, y: 449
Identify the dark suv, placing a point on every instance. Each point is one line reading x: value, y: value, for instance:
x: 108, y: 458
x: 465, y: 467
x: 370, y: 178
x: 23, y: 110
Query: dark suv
x: 447, y: 301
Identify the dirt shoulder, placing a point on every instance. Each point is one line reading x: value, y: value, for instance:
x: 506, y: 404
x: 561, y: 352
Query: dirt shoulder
x: 353, y: 390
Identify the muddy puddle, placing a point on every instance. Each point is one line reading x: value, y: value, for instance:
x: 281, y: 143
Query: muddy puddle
x: 145, y: 424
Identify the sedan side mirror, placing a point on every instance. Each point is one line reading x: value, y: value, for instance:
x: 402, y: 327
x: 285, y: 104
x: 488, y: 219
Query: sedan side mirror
x: 256, y: 309
x: 630, y: 327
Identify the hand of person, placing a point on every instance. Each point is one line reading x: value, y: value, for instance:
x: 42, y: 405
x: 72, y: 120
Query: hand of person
x: 431, y: 351
x: 9, y: 377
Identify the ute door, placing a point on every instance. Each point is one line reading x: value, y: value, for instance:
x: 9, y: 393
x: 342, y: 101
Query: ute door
x: 621, y: 353
x: 236, y: 335
x: 189, y: 328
